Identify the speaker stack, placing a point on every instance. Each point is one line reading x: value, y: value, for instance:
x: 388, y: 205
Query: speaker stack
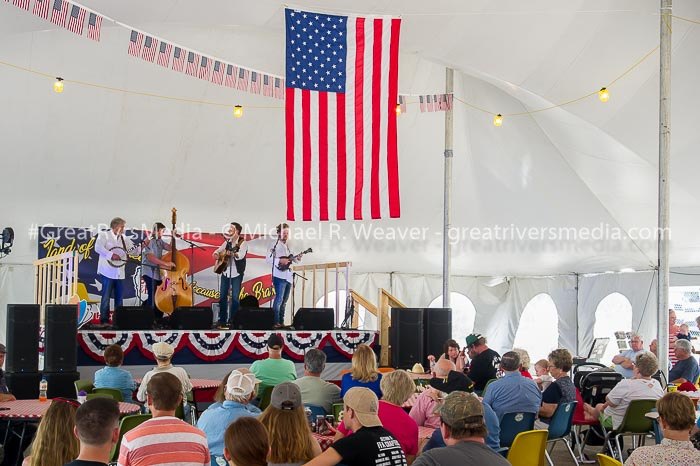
x: 60, y: 349
x: 417, y: 332
x: 22, y: 358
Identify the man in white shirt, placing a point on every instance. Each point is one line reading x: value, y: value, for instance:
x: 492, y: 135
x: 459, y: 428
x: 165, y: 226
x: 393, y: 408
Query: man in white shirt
x: 624, y: 362
x: 232, y: 276
x: 114, y: 248
x: 281, y: 279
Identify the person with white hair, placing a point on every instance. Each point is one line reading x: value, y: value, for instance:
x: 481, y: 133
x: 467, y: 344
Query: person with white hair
x: 624, y: 362
x: 686, y: 369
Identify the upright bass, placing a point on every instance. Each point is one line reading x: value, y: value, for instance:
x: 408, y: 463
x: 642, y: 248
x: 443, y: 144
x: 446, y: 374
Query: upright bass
x: 174, y: 292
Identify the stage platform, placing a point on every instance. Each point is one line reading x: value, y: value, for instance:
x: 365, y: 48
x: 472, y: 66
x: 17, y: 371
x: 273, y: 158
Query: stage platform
x: 212, y: 353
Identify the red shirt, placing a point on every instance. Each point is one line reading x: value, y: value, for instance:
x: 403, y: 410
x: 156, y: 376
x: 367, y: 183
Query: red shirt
x: 525, y: 373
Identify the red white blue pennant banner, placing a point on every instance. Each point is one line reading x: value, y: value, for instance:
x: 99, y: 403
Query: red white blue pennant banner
x: 66, y: 15
x: 435, y: 102
x: 212, y: 346
x: 148, y: 339
x: 296, y: 344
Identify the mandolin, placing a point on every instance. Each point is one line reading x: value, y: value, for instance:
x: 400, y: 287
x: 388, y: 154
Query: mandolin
x: 291, y: 257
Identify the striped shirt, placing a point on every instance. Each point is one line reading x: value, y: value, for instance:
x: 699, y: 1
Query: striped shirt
x: 164, y: 440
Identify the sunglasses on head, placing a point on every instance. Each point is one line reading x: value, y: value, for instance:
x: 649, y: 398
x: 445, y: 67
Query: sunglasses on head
x: 66, y: 400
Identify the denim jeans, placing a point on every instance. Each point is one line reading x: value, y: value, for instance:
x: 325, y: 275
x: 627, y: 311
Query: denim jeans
x: 151, y: 286
x: 282, y: 290
x: 110, y: 285
x: 235, y: 285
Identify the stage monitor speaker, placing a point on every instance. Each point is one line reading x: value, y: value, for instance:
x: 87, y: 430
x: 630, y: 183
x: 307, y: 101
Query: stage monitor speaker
x: 191, y: 318
x: 254, y: 319
x: 314, y: 318
x: 437, y: 326
x: 61, y: 351
x: 61, y: 384
x: 22, y: 338
x: 133, y: 318
x: 406, y: 337
x: 24, y: 385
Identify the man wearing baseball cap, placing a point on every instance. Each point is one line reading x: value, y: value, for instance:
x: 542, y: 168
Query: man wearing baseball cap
x: 273, y: 370
x: 163, y: 353
x: 5, y: 394
x: 371, y: 444
x: 464, y: 430
x: 484, y: 361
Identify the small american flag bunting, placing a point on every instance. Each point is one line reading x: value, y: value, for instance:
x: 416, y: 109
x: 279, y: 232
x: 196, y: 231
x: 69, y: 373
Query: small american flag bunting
x: 94, y: 26
x: 178, y: 59
x: 164, y: 54
x: 243, y: 79
x: 254, y: 82
x: 205, y: 68
x: 76, y: 22
x: 279, y: 88
x: 267, y: 85
x: 192, y: 64
x: 59, y: 13
x: 229, y: 78
x: 41, y: 8
x: 135, y: 42
x: 150, y: 45
x: 24, y: 4
x: 402, y: 103
x: 217, y: 76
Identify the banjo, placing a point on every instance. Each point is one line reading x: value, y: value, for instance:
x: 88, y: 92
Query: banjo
x: 123, y: 256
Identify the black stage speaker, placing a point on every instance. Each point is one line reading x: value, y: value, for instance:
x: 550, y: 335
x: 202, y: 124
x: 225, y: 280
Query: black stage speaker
x: 314, y: 318
x: 61, y: 383
x: 191, y: 318
x: 133, y: 318
x: 406, y: 337
x: 437, y: 326
x: 24, y: 385
x: 22, y: 338
x: 61, y: 349
x: 254, y: 319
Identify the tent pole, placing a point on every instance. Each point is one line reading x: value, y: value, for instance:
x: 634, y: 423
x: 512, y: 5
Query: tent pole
x: 447, y: 204
x: 664, y: 187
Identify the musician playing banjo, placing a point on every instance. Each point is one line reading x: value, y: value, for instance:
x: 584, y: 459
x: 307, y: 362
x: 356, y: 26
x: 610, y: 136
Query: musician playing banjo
x: 231, y: 271
x: 114, y: 248
x: 282, y: 276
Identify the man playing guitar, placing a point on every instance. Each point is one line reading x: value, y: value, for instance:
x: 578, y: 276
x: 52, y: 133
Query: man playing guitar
x: 230, y: 258
x: 151, y: 264
x: 114, y: 249
x: 282, y: 275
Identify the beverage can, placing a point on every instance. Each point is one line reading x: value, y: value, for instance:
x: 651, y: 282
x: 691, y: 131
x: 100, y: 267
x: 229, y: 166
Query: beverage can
x: 320, y: 423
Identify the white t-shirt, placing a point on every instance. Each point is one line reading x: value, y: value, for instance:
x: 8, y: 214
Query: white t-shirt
x: 628, y: 390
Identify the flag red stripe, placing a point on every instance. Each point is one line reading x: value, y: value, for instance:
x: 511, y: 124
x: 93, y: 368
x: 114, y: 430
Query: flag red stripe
x: 306, y: 155
x: 392, y: 136
x: 323, y: 155
x: 359, y: 114
x: 341, y: 163
x: 289, y: 130
x: 376, y: 118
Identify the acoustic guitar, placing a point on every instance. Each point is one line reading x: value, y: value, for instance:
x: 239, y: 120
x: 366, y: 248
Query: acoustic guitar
x: 222, y: 263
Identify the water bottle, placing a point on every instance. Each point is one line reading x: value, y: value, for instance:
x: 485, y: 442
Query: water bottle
x: 43, y: 389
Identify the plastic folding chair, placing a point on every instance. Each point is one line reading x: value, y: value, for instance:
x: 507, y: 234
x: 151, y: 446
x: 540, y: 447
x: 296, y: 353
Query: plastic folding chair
x: 265, y: 398
x: 605, y: 460
x: 127, y: 423
x: 90, y: 396
x: 512, y: 424
x: 113, y: 392
x: 560, y: 429
x: 85, y: 385
x: 578, y: 422
x: 528, y: 448
x: 483, y: 392
x: 634, y: 424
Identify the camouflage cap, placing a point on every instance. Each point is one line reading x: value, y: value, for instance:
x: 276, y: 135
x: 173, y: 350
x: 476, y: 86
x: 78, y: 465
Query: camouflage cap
x: 460, y: 409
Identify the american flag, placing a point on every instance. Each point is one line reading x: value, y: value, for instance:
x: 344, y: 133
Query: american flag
x: 76, y: 22
x: 341, y: 134
x: 230, y: 77
x: 448, y: 100
x: 178, y: 59
x: 429, y: 103
x: 267, y: 85
x: 205, y: 68
x: 402, y: 103
x: 41, y: 9
x: 24, y: 4
x: 94, y: 26
x: 255, y: 82
x: 59, y: 13
x: 243, y: 79
x: 135, y: 43
x: 421, y: 100
x: 217, y: 77
x: 279, y: 88
x: 164, y: 54
x: 192, y: 63
x: 150, y: 45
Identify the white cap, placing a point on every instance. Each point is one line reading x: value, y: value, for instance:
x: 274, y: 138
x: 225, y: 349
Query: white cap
x: 163, y: 350
x: 239, y: 384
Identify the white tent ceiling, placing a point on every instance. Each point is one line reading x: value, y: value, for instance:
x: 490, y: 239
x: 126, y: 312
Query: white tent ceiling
x: 89, y: 154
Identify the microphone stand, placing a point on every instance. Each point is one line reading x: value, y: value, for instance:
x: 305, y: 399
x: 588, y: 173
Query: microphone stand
x: 272, y: 270
x: 229, y: 297
x: 294, y: 284
x: 192, y: 246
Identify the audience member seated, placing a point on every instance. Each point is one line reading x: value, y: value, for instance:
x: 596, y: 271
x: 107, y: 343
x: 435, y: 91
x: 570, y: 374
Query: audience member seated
x: 397, y: 387
x: 676, y: 417
x: 163, y: 353
x: 542, y: 377
x: 112, y: 376
x: 484, y: 361
x: 524, y: 368
x: 640, y: 387
x: 686, y: 369
x: 55, y: 443
x: 315, y: 390
x: 683, y: 332
x: 246, y: 443
x: 371, y: 444
x: 164, y: 439
x: 423, y: 410
x: 512, y: 393
x: 654, y: 347
x: 97, y: 428
x: 291, y: 441
x: 452, y: 353
x: 624, y: 362
x: 240, y: 391
x: 463, y: 428
x: 273, y: 370
x: 220, y: 394
x: 364, y: 372
x: 562, y: 390
x: 5, y: 394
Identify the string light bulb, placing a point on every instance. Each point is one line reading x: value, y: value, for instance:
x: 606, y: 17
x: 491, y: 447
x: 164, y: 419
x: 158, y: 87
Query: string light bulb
x: 58, y: 85
x: 398, y: 109
x: 498, y: 120
x: 604, y: 94
x: 238, y: 111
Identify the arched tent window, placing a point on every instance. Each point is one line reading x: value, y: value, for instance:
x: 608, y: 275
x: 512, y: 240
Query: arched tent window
x: 366, y: 320
x: 463, y: 315
x: 538, y: 329
x: 613, y: 314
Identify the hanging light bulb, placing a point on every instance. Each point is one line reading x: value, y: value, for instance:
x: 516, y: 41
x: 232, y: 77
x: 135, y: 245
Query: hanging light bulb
x: 398, y: 109
x: 604, y: 94
x: 58, y: 85
x: 238, y: 111
x: 498, y: 120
